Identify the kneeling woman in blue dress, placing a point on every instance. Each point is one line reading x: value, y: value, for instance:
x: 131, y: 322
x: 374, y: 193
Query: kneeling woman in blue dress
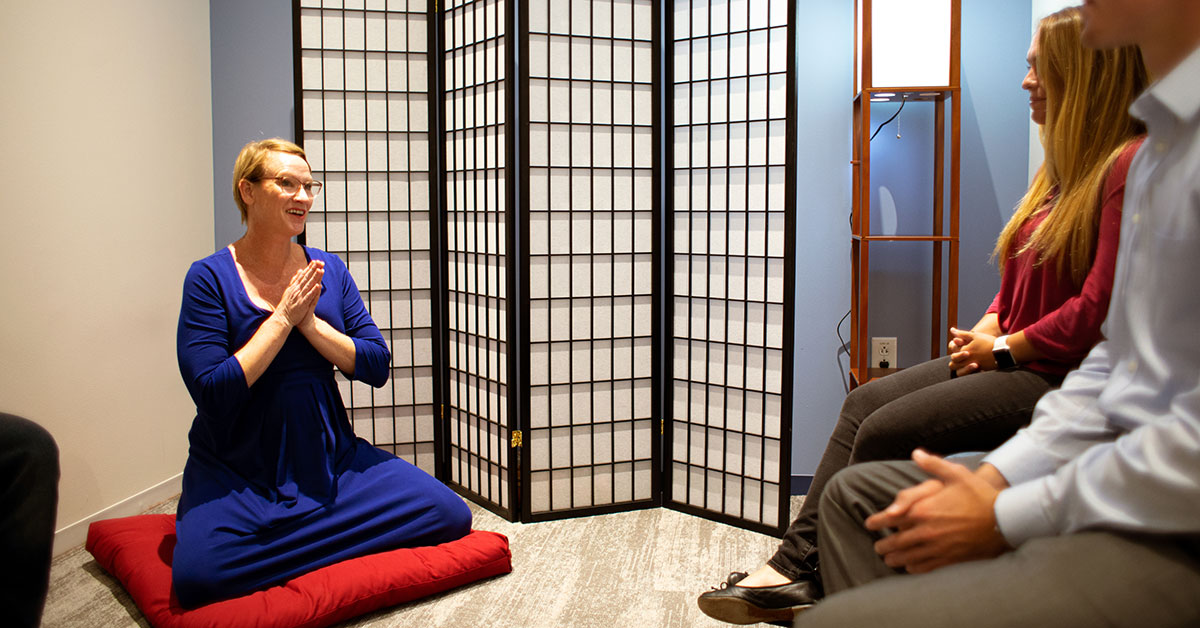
x: 276, y: 483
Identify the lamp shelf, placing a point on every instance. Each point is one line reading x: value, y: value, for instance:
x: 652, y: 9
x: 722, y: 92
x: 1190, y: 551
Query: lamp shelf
x: 872, y: 374
x: 911, y: 94
x: 904, y: 238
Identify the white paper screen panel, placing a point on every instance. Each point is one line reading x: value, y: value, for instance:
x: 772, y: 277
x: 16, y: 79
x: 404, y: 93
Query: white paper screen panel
x: 365, y: 128
x: 730, y: 160
x: 590, y: 253
x: 477, y: 260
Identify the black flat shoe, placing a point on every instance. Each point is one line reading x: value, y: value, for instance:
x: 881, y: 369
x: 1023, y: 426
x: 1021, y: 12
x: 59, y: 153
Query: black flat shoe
x: 751, y: 605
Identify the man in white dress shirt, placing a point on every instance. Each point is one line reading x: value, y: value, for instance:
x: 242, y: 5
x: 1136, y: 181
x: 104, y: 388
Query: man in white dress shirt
x: 1091, y: 515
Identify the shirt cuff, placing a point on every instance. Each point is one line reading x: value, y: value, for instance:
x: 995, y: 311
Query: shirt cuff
x: 1020, y: 460
x: 1020, y: 514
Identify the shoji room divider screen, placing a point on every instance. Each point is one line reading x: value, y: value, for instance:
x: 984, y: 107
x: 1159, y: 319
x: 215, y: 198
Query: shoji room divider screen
x: 573, y: 220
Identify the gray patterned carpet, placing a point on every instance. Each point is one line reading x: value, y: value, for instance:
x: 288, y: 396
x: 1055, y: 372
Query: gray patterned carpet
x: 641, y: 568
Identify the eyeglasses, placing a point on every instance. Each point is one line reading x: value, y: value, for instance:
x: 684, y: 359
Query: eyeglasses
x: 291, y: 186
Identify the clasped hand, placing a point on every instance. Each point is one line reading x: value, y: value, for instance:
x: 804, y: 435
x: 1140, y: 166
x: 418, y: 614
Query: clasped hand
x: 299, y: 299
x: 971, y: 351
x: 945, y: 520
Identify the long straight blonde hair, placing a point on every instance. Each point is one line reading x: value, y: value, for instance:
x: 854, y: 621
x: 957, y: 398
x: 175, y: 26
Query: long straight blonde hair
x: 1088, y: 93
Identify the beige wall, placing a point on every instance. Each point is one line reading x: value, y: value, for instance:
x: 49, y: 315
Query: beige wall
x: 106, y: 190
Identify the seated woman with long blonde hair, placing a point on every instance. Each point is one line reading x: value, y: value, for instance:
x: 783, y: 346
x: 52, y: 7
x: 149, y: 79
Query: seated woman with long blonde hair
x: 1056, y: 257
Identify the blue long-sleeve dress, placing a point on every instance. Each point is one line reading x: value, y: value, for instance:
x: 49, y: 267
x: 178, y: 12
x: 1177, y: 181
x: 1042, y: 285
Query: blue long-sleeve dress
x: 276, y: 483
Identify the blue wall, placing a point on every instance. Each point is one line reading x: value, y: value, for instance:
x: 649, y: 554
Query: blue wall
x: 251, y: 91
x: 825, y: 51
x: 995, y: 37
x: 995, y: 139
x: 252, y: 98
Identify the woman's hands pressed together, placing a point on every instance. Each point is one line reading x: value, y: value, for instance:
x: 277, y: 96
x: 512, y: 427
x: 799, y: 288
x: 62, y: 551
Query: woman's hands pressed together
x: 295, y: 310
x: 299, y: 300
x: 298, y: 308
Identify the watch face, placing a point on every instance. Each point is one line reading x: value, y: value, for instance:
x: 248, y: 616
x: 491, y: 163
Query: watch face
x: 1004, y: 359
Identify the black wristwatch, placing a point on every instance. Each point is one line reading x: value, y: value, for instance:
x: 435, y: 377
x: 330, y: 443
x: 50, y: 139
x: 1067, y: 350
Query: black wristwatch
x: 1002, y: 354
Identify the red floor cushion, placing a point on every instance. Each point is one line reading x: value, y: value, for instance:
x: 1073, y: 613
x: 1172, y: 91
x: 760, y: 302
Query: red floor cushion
x: 137, y: 551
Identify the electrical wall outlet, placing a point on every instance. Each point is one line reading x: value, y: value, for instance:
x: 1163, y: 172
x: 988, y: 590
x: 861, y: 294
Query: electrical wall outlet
x: 883, y: 352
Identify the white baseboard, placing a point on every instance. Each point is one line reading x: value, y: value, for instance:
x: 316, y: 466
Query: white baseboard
x: 74, y: 535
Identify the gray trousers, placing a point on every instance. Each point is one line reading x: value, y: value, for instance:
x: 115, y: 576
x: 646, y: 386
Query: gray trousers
x: 1080, y: 580
x: 921, y: 406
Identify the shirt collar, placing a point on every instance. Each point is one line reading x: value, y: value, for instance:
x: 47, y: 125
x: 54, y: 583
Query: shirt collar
x: 1178, y: 93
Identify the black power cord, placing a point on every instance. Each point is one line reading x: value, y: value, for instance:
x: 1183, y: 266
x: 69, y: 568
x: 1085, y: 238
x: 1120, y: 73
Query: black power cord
x: 844, y: 346
x: 903, y: 101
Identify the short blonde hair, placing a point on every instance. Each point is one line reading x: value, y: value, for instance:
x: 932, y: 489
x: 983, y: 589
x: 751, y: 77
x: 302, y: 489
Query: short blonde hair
x: 250, y: 164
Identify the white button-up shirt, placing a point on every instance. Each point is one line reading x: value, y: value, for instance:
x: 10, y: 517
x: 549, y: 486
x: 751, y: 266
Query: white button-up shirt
x: 1117, y: 447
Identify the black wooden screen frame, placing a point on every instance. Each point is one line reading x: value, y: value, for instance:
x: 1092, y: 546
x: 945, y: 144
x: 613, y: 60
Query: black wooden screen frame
x: 517, y: 259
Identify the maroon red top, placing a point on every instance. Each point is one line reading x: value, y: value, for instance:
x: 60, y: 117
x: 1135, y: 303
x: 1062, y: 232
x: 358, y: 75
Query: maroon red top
x: 1059, y: 318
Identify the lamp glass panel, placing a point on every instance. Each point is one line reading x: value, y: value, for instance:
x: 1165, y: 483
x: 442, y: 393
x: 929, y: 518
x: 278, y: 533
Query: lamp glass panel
x: 858, y: 42
x: 910, y: 43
